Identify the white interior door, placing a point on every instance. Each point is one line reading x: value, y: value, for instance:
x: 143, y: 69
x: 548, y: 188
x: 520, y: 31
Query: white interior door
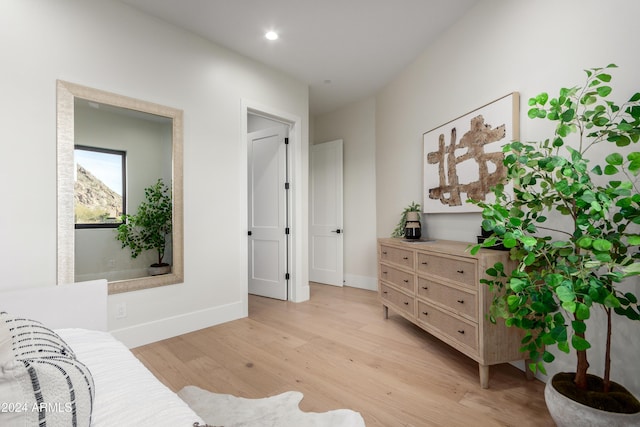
x: 268, y: 227
x: 325, y: 227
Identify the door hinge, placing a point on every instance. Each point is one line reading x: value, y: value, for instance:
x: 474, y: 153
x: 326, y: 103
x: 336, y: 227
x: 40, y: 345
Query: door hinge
x: 286, y: 185
x: 287, y: 230
x: 286, y: 141
x: 286, y: 276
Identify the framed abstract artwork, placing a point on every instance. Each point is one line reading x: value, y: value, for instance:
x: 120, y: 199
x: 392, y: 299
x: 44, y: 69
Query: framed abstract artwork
x: 463, y: 158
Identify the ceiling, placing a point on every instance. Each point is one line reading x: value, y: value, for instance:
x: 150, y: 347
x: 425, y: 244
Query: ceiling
x: 344, y: 50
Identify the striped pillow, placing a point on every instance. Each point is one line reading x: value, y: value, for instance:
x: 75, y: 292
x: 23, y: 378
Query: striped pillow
x: 41, y: 381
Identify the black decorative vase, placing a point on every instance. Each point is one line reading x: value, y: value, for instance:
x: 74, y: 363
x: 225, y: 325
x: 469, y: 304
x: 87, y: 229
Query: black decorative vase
x: 412, y: 228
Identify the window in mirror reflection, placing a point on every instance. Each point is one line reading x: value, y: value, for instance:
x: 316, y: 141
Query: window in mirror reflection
x: 99, y: 187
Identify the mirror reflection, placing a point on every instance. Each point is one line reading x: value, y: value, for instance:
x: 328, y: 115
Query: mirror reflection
x: 120, y: 190
x: 107, y: 137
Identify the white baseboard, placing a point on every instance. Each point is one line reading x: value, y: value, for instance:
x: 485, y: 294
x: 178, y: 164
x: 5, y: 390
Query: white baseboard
x: 146, y: 333
x: 362, y: 282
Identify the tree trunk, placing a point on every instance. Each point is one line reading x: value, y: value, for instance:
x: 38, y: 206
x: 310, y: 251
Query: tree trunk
x: 583, y: 365
x: 607, y: 355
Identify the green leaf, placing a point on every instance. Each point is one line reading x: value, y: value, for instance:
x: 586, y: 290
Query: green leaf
x: 603, y: 257
x: 513, y: 301
x: 548, y: 357
x: 563, y: 130
x: 611, y: 301
x: 632, y: 269
x: 610, y: 170
x: 592, y: 264
x: 585, y: 242
x: 620, y: 140
x: 488, y: 224
x: 614, y: 159
x: 565, y: 294
x: 580, y: 343
x: 570, y: 306
x: 579, y: 326
x: 533, y: 113
x: 530, y: 258
x: 563, y: 347
x: 559, y: 333
x: 542, y: 98
x: 516, y: 285
x: 582, y: 312
x: 510, y: 242
x: 568, y: 115
x: 604, y: 91
x: 602, y: 245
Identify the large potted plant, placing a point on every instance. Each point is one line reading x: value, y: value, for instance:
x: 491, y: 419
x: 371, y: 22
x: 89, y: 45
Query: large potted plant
x: 572, y: 229
x: 150, y: 227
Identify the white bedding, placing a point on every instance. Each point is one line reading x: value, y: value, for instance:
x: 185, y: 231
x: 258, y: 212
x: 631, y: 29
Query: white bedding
x: 127, y: 393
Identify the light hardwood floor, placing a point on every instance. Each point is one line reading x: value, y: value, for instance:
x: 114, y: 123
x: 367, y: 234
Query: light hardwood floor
x: 340, y: 352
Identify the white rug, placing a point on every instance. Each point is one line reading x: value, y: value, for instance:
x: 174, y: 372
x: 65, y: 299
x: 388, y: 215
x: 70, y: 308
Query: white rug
x: 275, y: 411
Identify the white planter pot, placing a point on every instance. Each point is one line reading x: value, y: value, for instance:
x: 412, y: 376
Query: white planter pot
x: 569, y: 413
x: 156, y: 271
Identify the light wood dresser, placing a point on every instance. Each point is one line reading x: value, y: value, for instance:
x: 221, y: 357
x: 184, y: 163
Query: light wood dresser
x: 436, y: 285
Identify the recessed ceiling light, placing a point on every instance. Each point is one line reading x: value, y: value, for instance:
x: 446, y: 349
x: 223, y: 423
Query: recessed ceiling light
x: 271, y: 35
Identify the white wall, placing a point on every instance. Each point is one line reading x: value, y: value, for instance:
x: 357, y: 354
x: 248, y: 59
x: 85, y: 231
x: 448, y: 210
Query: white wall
x: 110, y: 46
x: 355, y: 125
x: 499, y: 47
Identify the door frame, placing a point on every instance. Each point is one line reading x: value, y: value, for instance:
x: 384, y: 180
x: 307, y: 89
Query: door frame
x: 298, y: 208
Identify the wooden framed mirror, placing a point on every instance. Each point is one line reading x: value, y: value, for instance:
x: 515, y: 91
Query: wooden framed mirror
x: 151, y: 136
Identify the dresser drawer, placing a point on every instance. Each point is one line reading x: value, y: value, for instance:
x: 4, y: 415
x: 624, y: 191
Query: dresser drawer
x: 396, y: 255
x: 464, y: 332
x: 397, y: 277
x: 461, y: 302
x: 459, y: 270
x: 397, y: 299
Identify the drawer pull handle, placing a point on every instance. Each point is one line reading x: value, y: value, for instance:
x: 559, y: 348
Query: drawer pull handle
x: 425, y: 313
x: 385, y: 272
x: 406, y: 303
x: 405, y: 281
x: 461, y: 301
x: 424, y: 263
x: 461, y: 331
x: 425, y: 288
x: 405, y: 257
x: 384, y: 292
x: 384, y: 252
x: 460, y: 271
